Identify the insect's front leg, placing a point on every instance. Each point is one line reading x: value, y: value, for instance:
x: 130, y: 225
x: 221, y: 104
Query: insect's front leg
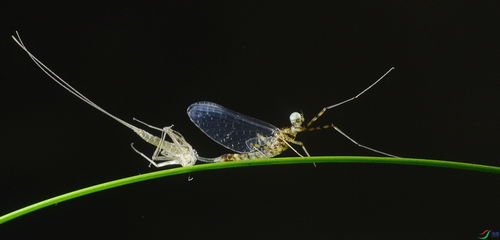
x: 346, y: 101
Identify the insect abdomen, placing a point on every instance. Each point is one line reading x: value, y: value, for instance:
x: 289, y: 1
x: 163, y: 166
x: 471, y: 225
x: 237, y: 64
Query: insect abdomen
x: 247, y: 156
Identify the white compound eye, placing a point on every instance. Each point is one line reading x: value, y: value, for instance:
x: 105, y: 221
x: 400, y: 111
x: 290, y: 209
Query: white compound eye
x: 296, y: 119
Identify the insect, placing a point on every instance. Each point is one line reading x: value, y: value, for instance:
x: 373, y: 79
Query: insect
x: 251, y: 138
x: 176, y: 152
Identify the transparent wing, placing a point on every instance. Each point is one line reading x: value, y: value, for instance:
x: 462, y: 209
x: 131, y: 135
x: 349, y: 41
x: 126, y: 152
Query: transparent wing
x: 228, y: 128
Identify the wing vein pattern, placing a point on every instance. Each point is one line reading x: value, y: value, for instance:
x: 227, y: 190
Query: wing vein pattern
x: 230, y: 129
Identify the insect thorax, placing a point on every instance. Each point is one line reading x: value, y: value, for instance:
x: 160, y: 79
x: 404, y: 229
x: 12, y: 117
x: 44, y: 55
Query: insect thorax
x: 266, y: 148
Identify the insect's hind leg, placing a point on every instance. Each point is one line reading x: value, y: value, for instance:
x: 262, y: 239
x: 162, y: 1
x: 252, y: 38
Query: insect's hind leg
x: 157, y: 151
x: 300, y: 144
x: 151, y: 161
x: 290, y: 146
x: 165, y: 160
x: 303, y: 147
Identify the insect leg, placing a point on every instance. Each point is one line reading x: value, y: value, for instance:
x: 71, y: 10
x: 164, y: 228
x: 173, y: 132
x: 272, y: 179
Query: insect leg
x: 300, y: 144
x: 176, y: 137
x: 256, y: 148
x: 290, y: 146
x: 159, y: 158
x: 346, y: 101
x: 156, y: 157
x: 361, y: 145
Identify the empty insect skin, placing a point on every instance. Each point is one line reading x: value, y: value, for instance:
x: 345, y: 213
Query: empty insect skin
x: 252, y: 138
x: 177, y: 152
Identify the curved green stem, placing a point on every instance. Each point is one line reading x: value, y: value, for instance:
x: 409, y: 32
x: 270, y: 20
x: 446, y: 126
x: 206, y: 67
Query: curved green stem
x: 273, y: 161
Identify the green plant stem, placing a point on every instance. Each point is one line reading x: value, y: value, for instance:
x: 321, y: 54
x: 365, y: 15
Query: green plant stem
x: 273, y: 161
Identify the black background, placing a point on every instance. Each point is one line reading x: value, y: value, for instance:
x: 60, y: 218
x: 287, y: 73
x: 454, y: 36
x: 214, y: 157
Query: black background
x: 265, y: 59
